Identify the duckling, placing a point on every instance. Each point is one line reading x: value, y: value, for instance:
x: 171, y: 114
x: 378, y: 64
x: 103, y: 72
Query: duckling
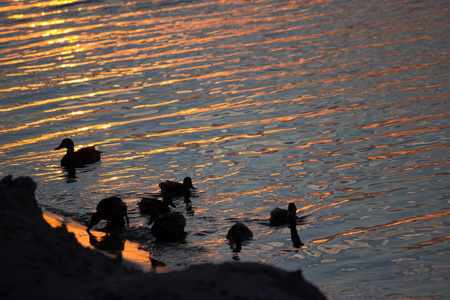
x: 111, y: 209
x: 238, y: 233
x: 169, y: 227
x: 151, y: 206
x: 176, y: 189
x: 280, y: 216
x: 79, y: 158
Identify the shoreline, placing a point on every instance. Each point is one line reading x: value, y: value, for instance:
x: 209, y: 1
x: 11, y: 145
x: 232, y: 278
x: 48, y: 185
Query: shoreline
x: 131, y: 254
x: 49, y: 256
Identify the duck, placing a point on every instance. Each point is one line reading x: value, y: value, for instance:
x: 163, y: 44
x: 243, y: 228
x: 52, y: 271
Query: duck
x: 151, y: 206
x: 177, y: 189
x: 169, y: 227
x: 280, y: 216
x: 111, y: 209
x: 238, y: 233
x: 79, y: 158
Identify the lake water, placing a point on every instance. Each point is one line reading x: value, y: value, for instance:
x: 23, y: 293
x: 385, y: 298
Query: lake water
x: 339, y: 106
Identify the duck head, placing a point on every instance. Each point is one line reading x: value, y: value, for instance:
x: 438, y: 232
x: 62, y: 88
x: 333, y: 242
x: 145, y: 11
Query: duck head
x: 96, y: 217
x: 292, y: 210
x: 66, y: 143
x: 187, y: 183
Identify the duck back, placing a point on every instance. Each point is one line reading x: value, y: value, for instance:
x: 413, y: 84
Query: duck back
x: 239, y: 232
x: 177, y: 189
x: 278, y: 216
x: 82, y: 157
x: 148, y: 205
x: 169, y: 227
x: 111, y: 209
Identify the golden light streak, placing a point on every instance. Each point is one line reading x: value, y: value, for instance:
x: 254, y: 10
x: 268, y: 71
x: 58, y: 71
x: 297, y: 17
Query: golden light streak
x: 382, y: 226
x: 44, y: 121
x: 399, y: 133
x: 415, y: 167
x: 407, y: 152
x: 426, y: 243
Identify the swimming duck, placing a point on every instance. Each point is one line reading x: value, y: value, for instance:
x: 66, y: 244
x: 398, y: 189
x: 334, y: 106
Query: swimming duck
x: 280, y: 216
x: 169, y: 227
x: 176, y: 189
x: 152, y: 206
x: 80, y: 157
x: 239, y: 232
x: 111, y: 209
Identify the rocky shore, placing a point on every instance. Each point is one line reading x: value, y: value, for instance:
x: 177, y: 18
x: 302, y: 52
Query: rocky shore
x: 38, y: 261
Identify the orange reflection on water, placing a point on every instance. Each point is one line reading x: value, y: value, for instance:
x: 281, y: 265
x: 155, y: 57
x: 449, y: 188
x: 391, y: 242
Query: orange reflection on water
x: 52, y: 136
x: 43, y: 121
x: 395, y: 121
x: 399, y: 133
x: 407, y: 152
x: 383, y: 226
x: 131, y: 250
x: 267, y: 189
x: 427, y: 243
x: 415, y: 167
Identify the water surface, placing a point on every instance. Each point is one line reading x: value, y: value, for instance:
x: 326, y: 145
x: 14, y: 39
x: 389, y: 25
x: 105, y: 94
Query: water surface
x: 339, y: 106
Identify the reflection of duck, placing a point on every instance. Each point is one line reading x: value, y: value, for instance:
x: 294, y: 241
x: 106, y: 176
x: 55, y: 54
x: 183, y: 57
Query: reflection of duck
x: 169, y: 227
x: 152, y: 206
x: 71, y: 174
x: 110, y: 242
x: 295, y: 238
x: 280, y: 216
x: 176, y: 189
x: 80, y: 157
x: 111, y: 209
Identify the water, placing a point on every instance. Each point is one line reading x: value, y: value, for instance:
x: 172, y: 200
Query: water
x: 339, y: 106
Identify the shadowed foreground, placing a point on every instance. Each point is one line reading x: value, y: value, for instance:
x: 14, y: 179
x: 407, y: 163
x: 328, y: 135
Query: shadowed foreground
x: 38, y: 260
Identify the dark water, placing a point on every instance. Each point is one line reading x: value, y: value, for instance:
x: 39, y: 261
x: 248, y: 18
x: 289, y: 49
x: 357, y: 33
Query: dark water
x: 339, y: 106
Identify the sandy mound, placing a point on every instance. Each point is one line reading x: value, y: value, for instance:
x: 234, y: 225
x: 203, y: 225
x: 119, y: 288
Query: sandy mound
x: 37, y: 260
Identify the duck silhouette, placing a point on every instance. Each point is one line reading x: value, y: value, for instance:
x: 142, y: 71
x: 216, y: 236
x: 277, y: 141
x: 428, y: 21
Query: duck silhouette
x: 79, y: 158
x: 177, y: 189
x: 111, y: 209
x: 169, y: 227
x: 237, y: 234
x: 153, y: 206
x: 280, y: 216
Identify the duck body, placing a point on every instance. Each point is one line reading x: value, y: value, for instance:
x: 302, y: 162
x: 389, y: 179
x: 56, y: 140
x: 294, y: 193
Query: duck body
x: 111, y: 209
x: 169, y: 227
x: 238, y: 233
x: 152, y: 206
x: 177, y: 189
x: 280, y: 216
x: 79, y: 158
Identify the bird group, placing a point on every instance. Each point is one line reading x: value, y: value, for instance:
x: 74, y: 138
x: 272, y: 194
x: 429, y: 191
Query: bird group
x: 168, y: 225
